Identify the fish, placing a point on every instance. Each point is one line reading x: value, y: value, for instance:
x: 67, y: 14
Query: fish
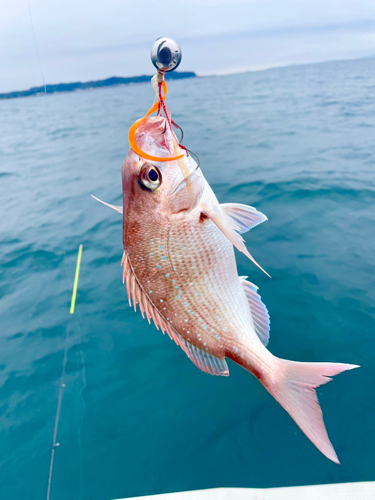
x: 180, y: 269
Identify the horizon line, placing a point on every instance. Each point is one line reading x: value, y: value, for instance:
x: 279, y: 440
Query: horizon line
x: 257, y: 69
x: 281, y: 65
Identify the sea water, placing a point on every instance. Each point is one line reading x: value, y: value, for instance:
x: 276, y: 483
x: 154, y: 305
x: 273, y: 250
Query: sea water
x: 137, y: 417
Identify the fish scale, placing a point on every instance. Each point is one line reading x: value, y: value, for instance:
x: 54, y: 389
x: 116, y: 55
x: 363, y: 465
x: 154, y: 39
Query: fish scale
x: 191, y: 281
x: 206, y: 273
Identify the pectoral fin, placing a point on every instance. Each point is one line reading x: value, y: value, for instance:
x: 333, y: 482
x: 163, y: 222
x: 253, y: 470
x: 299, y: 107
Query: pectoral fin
x: 244, y: 217
x: 118, y: 209
x: 229, y: 228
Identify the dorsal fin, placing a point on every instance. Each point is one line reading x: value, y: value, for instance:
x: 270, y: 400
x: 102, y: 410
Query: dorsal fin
x: 244, y: 216
x: 203, y: 360
x: 259, y: 312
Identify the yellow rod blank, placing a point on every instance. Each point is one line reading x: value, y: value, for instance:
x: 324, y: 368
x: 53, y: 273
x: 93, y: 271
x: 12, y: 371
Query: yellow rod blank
x: 75, y: 286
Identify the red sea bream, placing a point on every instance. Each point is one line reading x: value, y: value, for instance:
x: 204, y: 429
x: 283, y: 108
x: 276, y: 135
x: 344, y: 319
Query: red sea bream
x: 180, y: 268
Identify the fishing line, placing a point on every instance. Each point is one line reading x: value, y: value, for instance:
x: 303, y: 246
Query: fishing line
x: 162, y: 104
x: 73, y: 321
x: 83, y: 387
x: 55, y: 444
x: 72, y: 307
x: 83, y: 416
x: 171, y: 122
x: 36, y: 48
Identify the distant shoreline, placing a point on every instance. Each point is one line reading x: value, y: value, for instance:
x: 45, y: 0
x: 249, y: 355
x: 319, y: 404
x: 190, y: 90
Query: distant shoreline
x: 109, y: 82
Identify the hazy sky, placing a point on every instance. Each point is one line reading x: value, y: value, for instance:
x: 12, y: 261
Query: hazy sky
x: 95, y: 39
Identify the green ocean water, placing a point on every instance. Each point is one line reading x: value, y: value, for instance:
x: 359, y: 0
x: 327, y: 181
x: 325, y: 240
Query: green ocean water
x: 137, y: 417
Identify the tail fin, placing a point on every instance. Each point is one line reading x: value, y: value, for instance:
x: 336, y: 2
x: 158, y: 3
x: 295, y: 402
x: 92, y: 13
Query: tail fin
x: 295, y: 391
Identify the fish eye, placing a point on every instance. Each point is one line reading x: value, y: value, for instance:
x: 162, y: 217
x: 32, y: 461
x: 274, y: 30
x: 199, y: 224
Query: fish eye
x: 150, y: 176
x: 153, y: 175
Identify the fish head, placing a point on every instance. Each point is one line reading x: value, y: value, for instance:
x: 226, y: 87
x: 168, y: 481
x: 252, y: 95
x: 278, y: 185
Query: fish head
x: 160, y: 188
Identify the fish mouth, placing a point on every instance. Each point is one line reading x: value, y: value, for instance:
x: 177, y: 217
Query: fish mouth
x: 153, y: 134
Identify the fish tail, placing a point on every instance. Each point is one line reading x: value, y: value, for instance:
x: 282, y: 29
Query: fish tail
x: 293, y: 386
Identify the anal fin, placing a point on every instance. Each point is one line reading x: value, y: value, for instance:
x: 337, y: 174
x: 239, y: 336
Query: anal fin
x: 203, y: 360
x: 259, y: 312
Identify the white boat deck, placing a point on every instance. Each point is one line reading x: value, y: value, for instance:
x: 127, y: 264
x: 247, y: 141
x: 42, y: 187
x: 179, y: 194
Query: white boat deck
x: 341, y: 491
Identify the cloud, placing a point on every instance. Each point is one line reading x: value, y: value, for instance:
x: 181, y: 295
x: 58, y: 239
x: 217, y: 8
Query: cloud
x: 92, y: 39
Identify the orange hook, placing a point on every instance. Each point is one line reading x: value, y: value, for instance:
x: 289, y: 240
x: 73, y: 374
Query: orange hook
x: 134, y: 127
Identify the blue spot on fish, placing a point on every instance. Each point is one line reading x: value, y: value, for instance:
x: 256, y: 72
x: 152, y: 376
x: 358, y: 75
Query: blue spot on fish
x: 167, y: 275
x: 163, y: 257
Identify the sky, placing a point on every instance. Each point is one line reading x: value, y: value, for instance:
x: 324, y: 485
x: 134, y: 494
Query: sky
x: 82, y: 40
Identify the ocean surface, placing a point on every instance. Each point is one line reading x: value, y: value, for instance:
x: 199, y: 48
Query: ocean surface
x: 137, y: 417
